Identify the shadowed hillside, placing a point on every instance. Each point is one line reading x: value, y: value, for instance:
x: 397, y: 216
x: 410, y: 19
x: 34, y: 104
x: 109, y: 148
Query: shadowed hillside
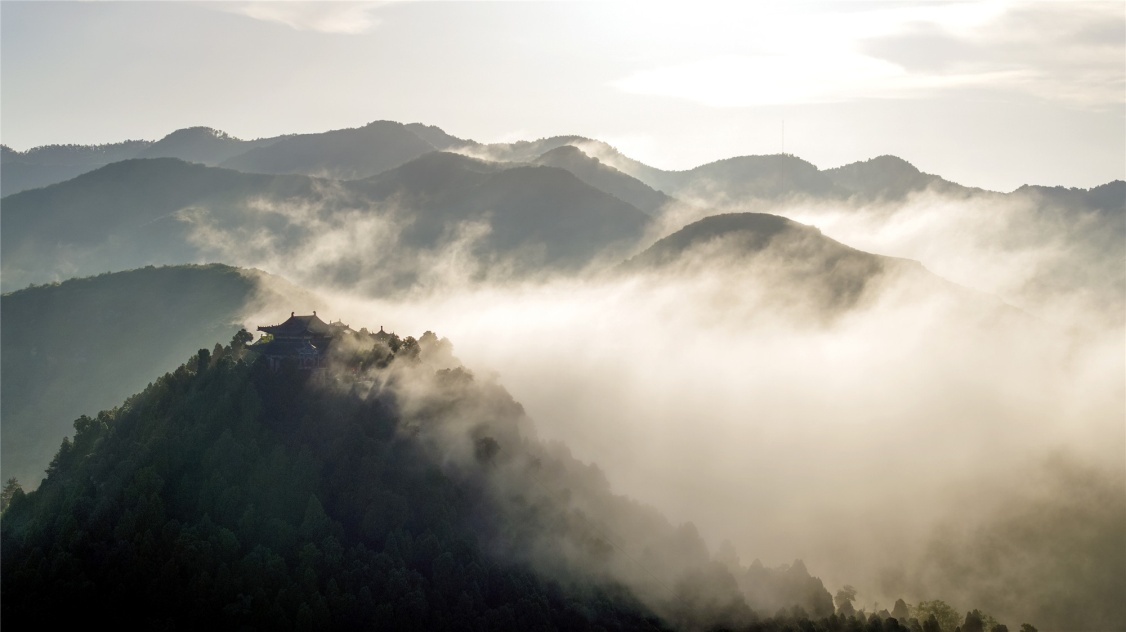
x: 83, y: 345
x: 889, y: 179
x: 42, y: 166
x: 201, y: 144
x: 125, y: 215
x: 165, y: 211
x: 341, y: 154
x: 605, y: 178
x: 228, y: 494
x: 786, y: 261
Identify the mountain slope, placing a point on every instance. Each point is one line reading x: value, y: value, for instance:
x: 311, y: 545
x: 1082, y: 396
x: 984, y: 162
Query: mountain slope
x: 340, y: 154
x: 201, y: 144
x: 438, y: 138
x: 50, y: 164
x: 125, y: 215
x: 165, y: 211
x: 605, y: 178
x: 747, y: 178
x: 230, y: 495
x: 890, y: 178
x: 791, y: 267
x: 545, y: 216
x: 83, y: 345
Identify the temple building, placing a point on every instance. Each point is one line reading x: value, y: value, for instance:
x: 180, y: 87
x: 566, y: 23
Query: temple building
x: 304, y: 339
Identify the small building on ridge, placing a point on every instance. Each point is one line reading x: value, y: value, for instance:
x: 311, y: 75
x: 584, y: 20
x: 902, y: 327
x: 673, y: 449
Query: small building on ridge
x: 304, y: 339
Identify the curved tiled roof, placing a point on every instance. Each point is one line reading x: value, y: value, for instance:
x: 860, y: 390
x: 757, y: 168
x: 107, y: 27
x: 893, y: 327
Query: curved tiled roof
x: 300, y: 326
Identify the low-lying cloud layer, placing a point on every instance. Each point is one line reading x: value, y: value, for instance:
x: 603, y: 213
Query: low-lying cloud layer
x: 896, y: 443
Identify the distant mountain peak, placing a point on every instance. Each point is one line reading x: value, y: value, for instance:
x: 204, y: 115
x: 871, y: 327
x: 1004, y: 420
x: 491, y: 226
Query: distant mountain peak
x: 198, y: 131
x: 383, y: 123
x: 438, y: 137
x: 754, y: 230
x: 567, y: 151
x: 888, y: 161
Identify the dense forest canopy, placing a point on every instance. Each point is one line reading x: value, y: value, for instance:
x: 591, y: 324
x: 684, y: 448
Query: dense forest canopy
x: 84, y: 345
x: 392, y: 487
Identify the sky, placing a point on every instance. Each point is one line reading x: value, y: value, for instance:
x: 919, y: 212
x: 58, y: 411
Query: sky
x: 989, y: 94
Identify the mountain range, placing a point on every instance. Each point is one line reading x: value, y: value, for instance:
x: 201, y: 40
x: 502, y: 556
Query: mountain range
x: 365, y: 151
x: 559, y: 203
x: 409, y: 478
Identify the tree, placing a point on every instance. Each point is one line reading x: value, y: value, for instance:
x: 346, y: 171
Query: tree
x: 945, y: 615
x: 845, y: 597
x: 203, y: 360
x: 974, y: 622
x: 241, y: 338
x: 11, y: 488
x: 408, y: 349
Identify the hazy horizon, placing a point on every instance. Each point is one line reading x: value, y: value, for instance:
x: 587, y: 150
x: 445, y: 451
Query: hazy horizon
x: 986, y: 94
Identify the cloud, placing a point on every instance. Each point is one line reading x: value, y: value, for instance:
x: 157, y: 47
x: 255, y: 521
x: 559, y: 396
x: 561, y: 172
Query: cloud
x: 1072, y: 53
x: 740, y: 80
x: 846, y: 445
x: 325, y: 17
x: 1064, y: 52
x: 708, y: 391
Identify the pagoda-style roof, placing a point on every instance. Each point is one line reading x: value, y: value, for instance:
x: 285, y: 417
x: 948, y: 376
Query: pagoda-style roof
x: 301, y: 327
x: 286, y: 348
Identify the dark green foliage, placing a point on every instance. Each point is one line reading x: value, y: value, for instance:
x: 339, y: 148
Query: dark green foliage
x: 936, y: 615
x: 241, y: 338
x: 12, y: 488
x: 86, y: 344
x: 226, y: 495
x: 402, y: 497
x: 975, y: 622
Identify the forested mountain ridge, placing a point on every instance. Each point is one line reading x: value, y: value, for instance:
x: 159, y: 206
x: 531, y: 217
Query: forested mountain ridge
x: 345, y: 154
x: 791, y: 267
x: 371, y: 149
x: 166, y: 211
x: 203, y: 145
x: 601, y: 176
x: 227, y: 494
x: 50, y: 164
x: 125, y: 215
x: 397, y: 488
x: 85, y: 344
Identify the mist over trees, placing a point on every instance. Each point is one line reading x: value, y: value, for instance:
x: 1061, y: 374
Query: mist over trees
x: 755, y: 359
x: 396, y: 489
